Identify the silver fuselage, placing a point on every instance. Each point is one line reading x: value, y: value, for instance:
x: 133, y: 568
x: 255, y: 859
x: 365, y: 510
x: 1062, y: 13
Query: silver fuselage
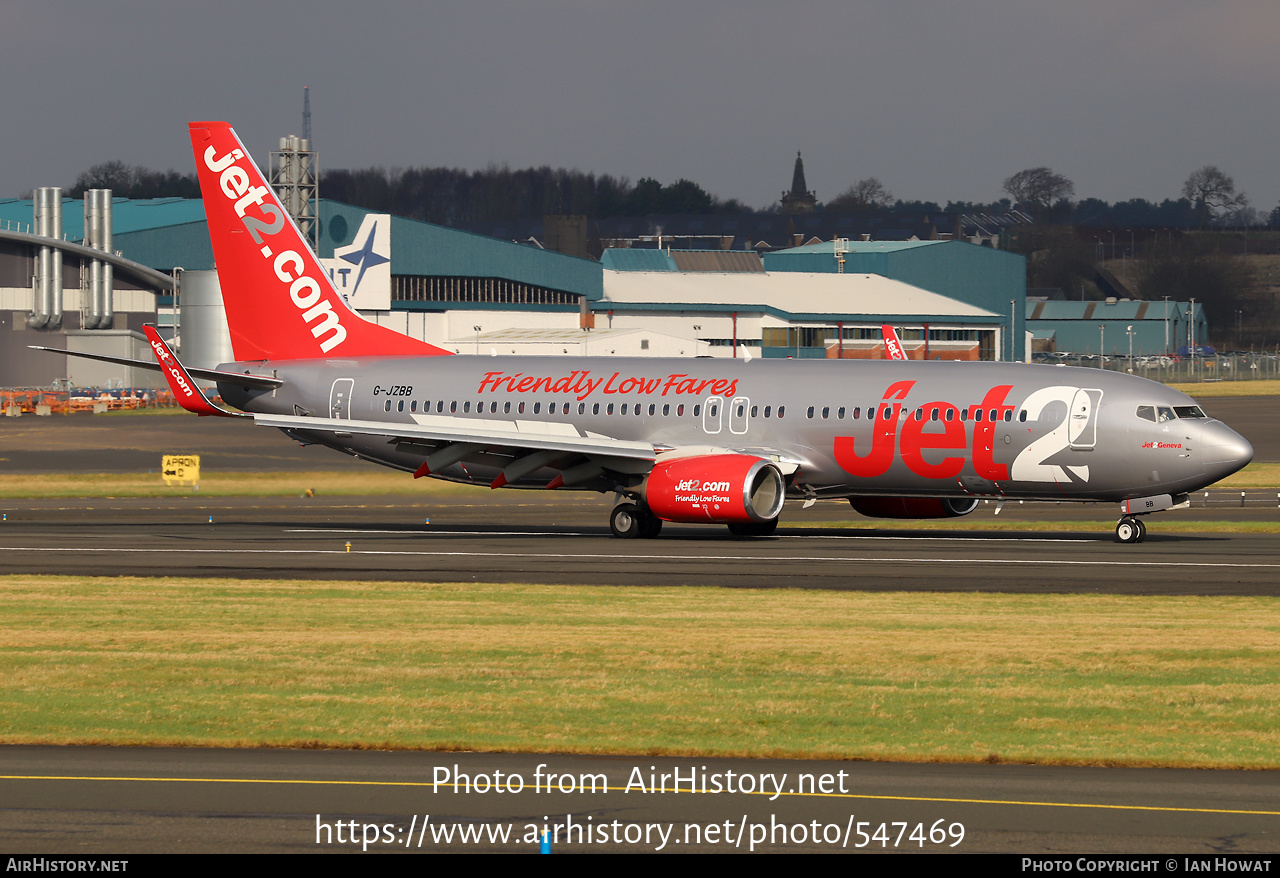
x: 848, y: 427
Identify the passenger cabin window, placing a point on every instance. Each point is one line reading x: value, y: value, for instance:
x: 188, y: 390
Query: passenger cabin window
x: 810, y: 412
x: 782, y: 411
x: 466, y: 407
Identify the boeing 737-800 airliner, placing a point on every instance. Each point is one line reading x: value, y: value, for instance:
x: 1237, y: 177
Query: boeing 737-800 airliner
x: 697, y: 440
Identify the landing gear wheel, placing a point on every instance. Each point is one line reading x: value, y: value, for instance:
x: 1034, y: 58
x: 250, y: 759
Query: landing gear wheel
x: 1142, y: 529
x: 650, y: 525
x: 625, y: 520
x: 754, y: 528
x: 1129, y: 530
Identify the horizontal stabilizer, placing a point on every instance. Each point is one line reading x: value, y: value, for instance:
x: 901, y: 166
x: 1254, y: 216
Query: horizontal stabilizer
x: 265, y: 382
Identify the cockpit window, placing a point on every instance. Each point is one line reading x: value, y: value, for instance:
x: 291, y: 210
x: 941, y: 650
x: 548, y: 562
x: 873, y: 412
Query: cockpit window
x: 1161, y: 414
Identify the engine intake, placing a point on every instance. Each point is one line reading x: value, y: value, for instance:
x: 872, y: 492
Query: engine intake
x: 720, y: 488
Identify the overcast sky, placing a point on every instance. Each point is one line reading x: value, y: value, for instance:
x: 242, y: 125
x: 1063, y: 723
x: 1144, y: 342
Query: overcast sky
x: 939, y: 100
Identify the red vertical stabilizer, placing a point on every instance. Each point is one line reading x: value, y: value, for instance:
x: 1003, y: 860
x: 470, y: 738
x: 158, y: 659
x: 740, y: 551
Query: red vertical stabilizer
x: 279, y: 301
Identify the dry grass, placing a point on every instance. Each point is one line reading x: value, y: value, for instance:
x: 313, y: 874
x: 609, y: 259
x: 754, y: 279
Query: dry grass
x: 228, y: 484
x: 1211, y: 389
x: 1064, y: 679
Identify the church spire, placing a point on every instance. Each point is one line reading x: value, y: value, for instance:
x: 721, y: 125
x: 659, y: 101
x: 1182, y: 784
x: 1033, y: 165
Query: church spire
x: 799, y: 199
x: 797, y: 177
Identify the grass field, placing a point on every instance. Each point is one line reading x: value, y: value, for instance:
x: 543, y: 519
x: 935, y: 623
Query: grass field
x: 1209, y: 389
x: 969, y: 677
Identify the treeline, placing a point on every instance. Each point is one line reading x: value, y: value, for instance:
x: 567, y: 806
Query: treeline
x: 135, y: 181
x: 456, y: 197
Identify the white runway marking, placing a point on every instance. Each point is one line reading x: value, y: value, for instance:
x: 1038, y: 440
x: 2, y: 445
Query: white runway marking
x: 521, y: 533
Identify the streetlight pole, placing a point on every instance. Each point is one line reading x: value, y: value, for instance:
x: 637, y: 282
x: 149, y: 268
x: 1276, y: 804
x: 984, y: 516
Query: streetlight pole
x: 477, y: 329
x: 1191, y: 335
x: 1166, y: 325
x: 1129, y: 330
x: 1013, y: 319
x: 1102, y: 343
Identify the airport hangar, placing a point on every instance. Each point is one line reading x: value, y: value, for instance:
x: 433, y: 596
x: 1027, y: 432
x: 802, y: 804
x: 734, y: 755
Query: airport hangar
x: 474, y: 294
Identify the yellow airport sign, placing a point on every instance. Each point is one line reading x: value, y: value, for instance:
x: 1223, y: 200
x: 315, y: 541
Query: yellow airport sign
x: 181, y: 469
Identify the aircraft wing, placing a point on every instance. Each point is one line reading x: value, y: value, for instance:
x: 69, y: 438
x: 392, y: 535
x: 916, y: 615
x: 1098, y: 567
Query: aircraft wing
x: 531, y: 444
x: 450, y: 430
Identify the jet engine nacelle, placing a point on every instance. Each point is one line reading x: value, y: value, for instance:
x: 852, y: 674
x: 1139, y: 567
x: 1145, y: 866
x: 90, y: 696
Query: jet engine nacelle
x: 913, y: 507
x: 719, y: 488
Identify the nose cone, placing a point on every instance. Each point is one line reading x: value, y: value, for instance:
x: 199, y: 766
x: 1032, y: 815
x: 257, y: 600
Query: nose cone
x: 1225, y: 450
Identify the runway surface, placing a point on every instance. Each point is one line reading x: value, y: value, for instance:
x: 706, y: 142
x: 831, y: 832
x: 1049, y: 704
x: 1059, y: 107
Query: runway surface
x: 519, y: 537
x: 78, y: 800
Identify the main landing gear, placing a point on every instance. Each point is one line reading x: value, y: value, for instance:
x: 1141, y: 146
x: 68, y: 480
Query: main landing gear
x: 1131, y: 530
x: 629, y: 521
x: 754, y: 528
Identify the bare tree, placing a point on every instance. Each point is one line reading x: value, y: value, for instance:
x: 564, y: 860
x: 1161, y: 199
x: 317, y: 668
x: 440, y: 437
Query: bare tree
x: 1037, y: 189
x: 1211, y: 191
x: 868, y: 194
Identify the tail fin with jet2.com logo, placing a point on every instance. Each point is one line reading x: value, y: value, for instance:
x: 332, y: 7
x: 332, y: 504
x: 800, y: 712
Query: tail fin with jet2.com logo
x: 892, y: 347
x: 279, y: 301
x: 185, y: 391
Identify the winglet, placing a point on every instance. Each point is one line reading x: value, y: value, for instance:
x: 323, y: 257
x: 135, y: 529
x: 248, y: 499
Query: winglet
x: 892, y: 347
x: 185, y: 391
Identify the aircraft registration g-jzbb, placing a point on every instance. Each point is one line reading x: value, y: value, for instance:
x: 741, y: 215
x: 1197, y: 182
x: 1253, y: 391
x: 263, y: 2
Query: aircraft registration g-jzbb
x: 698, y: 440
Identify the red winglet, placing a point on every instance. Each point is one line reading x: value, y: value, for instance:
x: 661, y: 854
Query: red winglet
x: 184, y: 388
